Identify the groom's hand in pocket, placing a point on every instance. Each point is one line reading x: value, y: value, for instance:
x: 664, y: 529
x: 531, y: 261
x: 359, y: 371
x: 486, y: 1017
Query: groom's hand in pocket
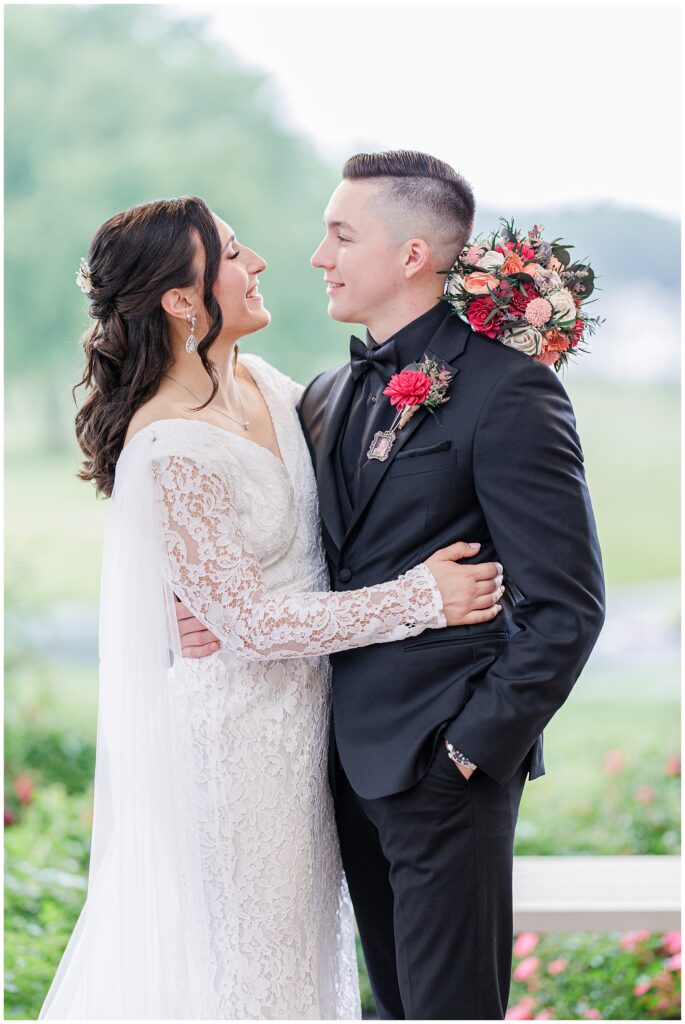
x: 196, y: 640
x: 469, y: 592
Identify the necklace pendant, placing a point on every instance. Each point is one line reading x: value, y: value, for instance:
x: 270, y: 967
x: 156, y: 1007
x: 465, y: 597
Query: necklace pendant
x: 382, y: 443
x: 246, y: 426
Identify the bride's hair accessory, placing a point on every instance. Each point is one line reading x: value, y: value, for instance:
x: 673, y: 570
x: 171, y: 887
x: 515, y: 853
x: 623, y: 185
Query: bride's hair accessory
x: 419, y: 385
x: 83, y: 278
x: 524, y: 292
x: 191, y: 341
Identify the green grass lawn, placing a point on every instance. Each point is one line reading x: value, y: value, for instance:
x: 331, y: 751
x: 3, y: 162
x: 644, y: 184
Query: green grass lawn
x: 631, y: 441
x: 54, y: 528
x: 54, y: 524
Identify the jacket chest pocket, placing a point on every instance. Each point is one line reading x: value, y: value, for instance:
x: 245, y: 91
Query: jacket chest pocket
x: 429, y: 459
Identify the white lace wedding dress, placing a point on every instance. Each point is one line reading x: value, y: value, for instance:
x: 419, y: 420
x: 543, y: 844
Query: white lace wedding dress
x: 216, y: 888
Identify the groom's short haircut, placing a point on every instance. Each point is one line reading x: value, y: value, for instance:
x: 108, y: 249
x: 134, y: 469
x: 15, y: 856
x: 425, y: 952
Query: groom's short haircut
x: 421, y: 196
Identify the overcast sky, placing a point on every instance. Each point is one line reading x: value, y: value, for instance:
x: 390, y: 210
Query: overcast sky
x: 535, y: 105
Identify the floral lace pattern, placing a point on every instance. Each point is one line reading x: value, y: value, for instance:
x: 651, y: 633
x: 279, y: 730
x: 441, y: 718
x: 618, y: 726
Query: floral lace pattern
x: 218, y: 575
x: 242, y: 537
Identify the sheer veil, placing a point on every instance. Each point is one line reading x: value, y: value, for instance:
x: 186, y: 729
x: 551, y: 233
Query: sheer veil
x: 141, y: 947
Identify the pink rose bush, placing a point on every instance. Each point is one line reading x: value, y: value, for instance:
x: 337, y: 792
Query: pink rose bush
x: 597, y: 977
x: 527, y: 968
x: 614, y: 762
x: 525, y: 943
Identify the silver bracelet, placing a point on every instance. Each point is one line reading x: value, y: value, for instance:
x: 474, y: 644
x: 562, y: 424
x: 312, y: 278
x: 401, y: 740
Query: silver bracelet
x: 459, y: 758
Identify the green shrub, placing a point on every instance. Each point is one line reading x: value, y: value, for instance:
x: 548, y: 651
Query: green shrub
x: 582, y: 975
x: 586, y: 976
x: 596, y: 799
x: 631, y: 807
x: 46, y: 859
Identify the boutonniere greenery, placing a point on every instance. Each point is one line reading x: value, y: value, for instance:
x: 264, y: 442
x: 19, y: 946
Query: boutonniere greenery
x: 419, y: 385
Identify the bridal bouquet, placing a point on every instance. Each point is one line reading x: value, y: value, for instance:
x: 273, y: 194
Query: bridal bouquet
x: 525, y: 292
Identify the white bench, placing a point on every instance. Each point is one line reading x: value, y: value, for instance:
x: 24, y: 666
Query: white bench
x: 563, y: 894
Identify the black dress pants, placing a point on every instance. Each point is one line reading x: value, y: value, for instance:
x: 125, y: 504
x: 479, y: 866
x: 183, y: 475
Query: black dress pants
x: 430, y: 875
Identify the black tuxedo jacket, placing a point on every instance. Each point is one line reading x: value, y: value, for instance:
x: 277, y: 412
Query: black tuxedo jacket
x: 499, y: 463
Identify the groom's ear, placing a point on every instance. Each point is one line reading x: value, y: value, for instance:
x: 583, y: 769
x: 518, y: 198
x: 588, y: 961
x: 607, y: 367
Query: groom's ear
x: 417, y: 257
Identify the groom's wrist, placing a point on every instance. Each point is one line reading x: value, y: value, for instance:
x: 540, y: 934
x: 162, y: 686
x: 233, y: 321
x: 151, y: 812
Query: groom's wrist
x: 459, y: 758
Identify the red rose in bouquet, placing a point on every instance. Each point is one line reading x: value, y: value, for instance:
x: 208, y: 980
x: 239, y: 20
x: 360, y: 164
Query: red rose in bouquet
x: 479, y: 311
x: 520, y: 299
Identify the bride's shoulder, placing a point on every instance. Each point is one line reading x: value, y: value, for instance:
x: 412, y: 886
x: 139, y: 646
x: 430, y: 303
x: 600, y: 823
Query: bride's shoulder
x: 157, y: 409
x: 279, y: 380
x: 162, y: 429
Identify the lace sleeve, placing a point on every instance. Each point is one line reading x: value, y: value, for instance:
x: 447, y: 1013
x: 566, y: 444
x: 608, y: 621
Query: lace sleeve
x: 215, y: 573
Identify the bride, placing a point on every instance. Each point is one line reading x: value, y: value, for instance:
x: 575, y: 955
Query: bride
x: 215, y: 887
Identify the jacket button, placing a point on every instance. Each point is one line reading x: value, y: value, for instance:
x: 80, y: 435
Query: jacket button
x: 345, y: 575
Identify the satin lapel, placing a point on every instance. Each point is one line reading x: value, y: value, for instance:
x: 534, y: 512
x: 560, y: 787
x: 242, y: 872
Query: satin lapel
x: 336, y: 406
x: 446, y: 345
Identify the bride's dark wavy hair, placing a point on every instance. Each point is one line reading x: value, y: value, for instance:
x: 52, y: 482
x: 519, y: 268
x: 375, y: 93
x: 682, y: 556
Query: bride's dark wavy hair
x: 135, y: 257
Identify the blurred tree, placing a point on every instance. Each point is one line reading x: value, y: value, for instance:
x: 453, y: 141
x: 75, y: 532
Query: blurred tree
x: 112, y: 105
x: 627, y: 247
x: 115, y: 105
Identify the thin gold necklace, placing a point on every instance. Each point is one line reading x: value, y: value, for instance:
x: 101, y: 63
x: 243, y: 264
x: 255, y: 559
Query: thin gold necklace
x: 245, y: 424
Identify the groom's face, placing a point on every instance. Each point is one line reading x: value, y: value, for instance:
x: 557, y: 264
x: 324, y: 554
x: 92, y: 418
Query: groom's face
x: 363, y: 269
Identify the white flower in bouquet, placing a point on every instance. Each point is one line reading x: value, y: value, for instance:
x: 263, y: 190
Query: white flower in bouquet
x: 455, y: 282
x: 491, y: 260
x: 528, y: 340
x: 563, y: 305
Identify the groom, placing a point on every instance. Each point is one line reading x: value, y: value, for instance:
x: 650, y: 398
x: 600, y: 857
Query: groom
x: 432, y: 737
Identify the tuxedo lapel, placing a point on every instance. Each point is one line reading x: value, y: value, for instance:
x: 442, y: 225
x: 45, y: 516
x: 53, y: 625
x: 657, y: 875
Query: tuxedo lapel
x: 446, y: 345
x: 337, y: 405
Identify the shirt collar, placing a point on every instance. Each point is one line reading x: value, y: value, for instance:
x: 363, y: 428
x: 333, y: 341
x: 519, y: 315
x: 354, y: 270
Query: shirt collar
x: 411, y: 340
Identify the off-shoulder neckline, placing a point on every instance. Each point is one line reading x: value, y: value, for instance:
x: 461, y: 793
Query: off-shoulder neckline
x: 212, y: 426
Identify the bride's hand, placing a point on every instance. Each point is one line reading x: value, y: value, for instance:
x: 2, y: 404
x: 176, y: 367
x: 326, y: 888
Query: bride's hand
x: 196, y: 640
x: 469, y: 592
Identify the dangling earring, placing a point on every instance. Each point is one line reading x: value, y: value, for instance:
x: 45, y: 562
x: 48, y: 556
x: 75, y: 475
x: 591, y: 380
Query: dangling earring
x: 191, y: 342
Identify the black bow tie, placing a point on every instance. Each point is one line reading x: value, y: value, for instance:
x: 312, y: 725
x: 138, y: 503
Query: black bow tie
x: 382, y: 358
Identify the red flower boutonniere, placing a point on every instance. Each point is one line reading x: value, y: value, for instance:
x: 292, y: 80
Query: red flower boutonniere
x: 419, y: 384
